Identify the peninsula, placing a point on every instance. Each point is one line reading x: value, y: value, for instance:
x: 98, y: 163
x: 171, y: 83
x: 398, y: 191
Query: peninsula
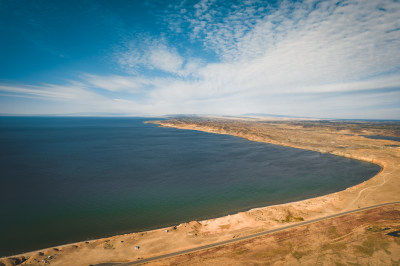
x: 370, y: 235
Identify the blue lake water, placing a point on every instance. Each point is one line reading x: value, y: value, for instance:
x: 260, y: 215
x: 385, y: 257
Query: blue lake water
x: 72, y: 179
x: 382, y: 137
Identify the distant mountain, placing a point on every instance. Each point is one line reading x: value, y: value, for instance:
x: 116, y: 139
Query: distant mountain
x: 273, y: 115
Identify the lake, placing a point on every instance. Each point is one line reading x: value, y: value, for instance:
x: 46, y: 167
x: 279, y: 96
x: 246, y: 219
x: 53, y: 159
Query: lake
x: 68, y: 179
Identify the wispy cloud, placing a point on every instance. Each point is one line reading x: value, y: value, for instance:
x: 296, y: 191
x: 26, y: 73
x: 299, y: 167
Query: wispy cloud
x: 116, y: 83
x: 303, y: 57
x: 303, y: 47
x: 61, y: 92
x: 82, y: 96
x: 155, y: 55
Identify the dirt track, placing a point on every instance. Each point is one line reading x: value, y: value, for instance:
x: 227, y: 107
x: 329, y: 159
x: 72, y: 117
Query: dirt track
x: 367, y: 238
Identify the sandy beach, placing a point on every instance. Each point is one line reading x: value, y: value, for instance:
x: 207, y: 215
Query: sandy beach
x: 344, y: 139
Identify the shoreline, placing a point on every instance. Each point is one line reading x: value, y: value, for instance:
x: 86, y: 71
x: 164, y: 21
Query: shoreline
x: 260, y: 218
x: 195, y: 220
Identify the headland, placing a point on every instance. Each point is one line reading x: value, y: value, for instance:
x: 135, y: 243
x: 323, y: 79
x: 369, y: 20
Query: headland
x: 341, y: 138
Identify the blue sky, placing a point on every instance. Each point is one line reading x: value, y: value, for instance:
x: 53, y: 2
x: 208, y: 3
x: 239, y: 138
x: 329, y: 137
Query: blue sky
x: 330, y: 59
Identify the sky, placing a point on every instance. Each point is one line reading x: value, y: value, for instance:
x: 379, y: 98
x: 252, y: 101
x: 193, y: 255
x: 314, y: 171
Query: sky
x: 324, y: 59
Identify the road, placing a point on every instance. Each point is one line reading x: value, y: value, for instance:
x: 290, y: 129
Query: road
x: 230, y: 241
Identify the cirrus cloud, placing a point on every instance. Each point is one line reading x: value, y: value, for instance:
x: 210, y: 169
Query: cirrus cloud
x: 312, y: 58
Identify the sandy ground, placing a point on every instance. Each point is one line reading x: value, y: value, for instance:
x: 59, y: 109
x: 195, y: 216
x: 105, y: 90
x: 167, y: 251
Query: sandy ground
x: 366, y: 238
x: 343, y: 139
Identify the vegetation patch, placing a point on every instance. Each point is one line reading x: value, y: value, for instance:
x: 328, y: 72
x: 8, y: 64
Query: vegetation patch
x: 373, y: 244
x: 375, y: 229
x: 291, y: 218
x: 334, y: 246
x: 225, y: 226
x: 271, y: 253
x: 333, y: 233
x: 241, y: 251
x: 299, y: 254
x: 108, y: 246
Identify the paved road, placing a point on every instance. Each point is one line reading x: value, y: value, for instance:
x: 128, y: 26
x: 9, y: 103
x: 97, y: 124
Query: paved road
x: 230, y: 241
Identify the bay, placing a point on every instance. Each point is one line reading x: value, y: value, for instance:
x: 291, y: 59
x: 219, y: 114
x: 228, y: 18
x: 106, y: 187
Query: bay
x: 68, y: 179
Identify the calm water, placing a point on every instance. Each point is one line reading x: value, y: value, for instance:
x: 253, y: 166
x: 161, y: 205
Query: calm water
x: 381, y: 137
x: 73, y: 179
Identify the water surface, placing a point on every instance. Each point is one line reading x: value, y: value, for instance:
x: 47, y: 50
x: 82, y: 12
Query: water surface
x: 72, y: 179
x: 382, y: 137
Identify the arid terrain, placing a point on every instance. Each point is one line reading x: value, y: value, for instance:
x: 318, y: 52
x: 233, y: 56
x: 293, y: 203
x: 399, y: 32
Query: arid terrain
x: 367, y: 236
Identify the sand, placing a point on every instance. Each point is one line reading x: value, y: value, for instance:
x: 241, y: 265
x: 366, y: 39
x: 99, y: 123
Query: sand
x: 369, y: 237
x: 342, y: 139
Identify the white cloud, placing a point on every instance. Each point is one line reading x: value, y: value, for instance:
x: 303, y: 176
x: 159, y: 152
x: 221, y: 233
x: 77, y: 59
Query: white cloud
x: 72, y: 98
x: 117, y: 83
x: 307, y: 42
x: 152, y: 55
x: 61, y: 92
x: 304, y: 58
x: 297, y: 48
x: 162, y: 58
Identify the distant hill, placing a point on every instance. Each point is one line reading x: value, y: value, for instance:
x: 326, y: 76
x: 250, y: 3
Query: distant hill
x: 262, y: 115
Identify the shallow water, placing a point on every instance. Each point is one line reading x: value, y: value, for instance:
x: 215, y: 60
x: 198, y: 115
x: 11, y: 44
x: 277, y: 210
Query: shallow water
x: 382, y: 137
x: 72, y: 179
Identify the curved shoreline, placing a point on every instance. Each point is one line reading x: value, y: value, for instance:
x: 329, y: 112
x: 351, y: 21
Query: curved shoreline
x: 231, y: 241
x: 262, y: 218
